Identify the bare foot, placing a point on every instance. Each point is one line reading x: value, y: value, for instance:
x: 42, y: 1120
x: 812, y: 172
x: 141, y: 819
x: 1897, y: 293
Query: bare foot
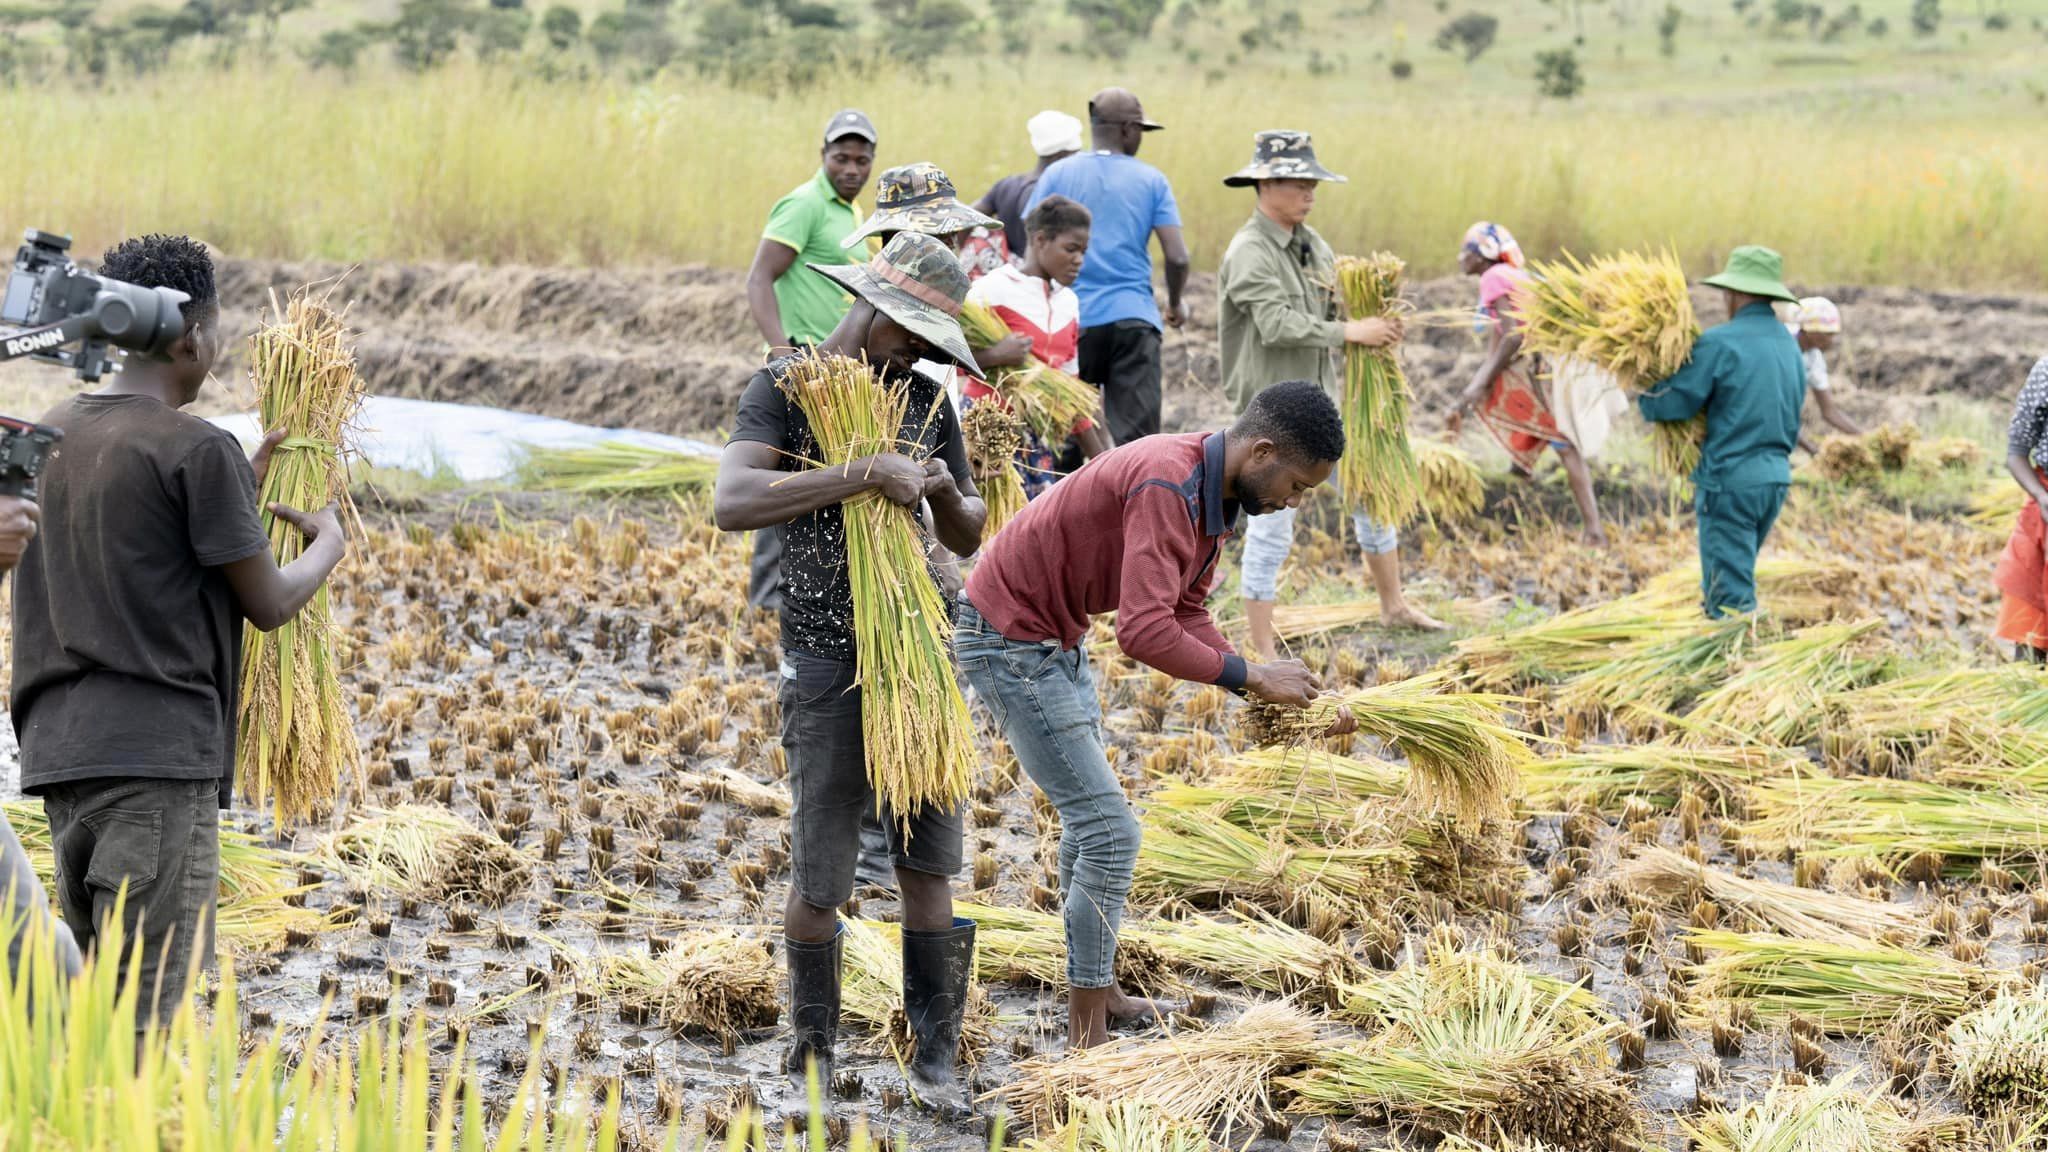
x: 1596, y: 538
x: 1123, y: 1006
x: 1409, y: 616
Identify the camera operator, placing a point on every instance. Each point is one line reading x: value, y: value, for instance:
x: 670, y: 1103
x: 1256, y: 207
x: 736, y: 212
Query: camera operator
x: 128, y: 634
x: 19, y: 518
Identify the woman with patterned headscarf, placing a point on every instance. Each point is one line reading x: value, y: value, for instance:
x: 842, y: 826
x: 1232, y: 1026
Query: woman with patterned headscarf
x: 1507, y: 397
x: 2023, y: 570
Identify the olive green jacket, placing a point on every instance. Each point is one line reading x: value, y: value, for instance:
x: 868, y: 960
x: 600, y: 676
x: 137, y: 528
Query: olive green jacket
x: 1276, y: 309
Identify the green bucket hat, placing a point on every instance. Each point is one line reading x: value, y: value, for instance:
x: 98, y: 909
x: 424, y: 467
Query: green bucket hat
x: 918, y: 198
x: 917, y: 282
x: 1757, y: 270
x: 1280, y: 154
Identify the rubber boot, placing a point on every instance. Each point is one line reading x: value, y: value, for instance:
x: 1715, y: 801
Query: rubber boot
x: 874, y: 867
x: 937, y: 967
x: 814, y: 1022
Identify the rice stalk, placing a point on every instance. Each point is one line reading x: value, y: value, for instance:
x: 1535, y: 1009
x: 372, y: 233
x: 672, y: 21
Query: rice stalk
x: 2000, y: 1054
x: 1850, y: 988
x: 429, y: 853
x: 1024, y: 945
x: 1607, y: 774
x: 993, y: 439
x: 1643, y: 687
x: 1121, y: 1126
x: 1453, y: 492
x: 915, y: 728
x: 1049, y: 401
x: 1572, y: 643
x: 1312, y: 772
x: 1629, y: 314
x: 1223, y: 1073
x: 1678, y: 883
x: 1830, y: 1117
x: 1198, y: 855
x: 1378, y: 472
x: 1896, y: 821
x: 297, y: 738
x: 1778, y: 694
x: 1799, y: 590
x: 1984, y: 727
x: 710, y: 982
x: 616, y: 467
x: 1996, y: 505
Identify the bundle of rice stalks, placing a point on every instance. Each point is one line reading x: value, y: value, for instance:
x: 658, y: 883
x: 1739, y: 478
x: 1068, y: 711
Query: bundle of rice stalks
x: 1049, y: 401
x: 1846, y: 460
x: 1198, y: 855
x: 1221, y: 1073
x: 297, y: 738
x: 2000, y: 1054
x: 871, y: 992
x: 1573, y: 643
x: 1463, y: 762
x: 1951, y: 454
x: 1247, y: 946
x: 616, y: 467
x: 1799, y: 589
x: 707, y: 982
x: 993, y: 438
x: 1765, y: 905
x: 1981, y: 725
x: 429, y: 853
x: 1312, y: 772
x: 1297, y: 621
x: 1830, y: 1117
x: 1452, y: 489
x: 1021, y: 944
x: 1892, y: 446
x: 1475, y: 1046
x: 1778, y: 694
x: 1606, y: 775
x: 1995, y: 505
x: 1641, y: 689
x: 258, y: 884
x: 915, y: 727
x: 1849, y: 988
x: 1927, y: 827
x: 1629, y: 314
x: 1378, y: 472
x: 1123, y: 1126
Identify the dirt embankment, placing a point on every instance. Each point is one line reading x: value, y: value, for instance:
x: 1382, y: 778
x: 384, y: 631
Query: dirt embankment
x: 669, y: 349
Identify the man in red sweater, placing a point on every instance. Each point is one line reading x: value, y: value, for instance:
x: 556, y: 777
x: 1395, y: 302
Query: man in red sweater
x: 1136, y: 532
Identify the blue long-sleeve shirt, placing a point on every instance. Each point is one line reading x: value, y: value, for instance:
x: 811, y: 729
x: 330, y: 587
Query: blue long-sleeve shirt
x: 1747, y: 377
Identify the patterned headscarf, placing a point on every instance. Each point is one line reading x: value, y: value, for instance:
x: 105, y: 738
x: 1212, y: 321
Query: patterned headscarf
x: 1818, y: 314
x: 1493, y: 242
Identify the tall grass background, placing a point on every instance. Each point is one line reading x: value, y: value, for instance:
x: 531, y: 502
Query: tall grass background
x: 475, y: 162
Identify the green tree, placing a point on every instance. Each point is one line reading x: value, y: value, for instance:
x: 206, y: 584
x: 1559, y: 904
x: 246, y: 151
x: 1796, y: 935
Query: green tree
x: 1113, y: 26
x: 1667, y: 29
x: 501, y: 31
x: 1471, y: 34
x: 337, y: 48
x: 928, y: 27
x: 1013, y: 24
x: 563, y: 26
x: 427, y: 32
x: 1558, y: 75
x: 1926, y: 17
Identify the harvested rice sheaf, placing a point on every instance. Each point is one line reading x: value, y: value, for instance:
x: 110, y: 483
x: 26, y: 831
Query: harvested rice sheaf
x: 1223, y: 1073
x: 1201, y: 856
x: 615, y: 467
x: 1121, y: 1126
x: 993, y: 438
x: 2000, y: 1054
x: 1778, y: 694
x: 1605, y: 775
x: 297, y: 737
x: 429, y: 853
x: 1051, y: 402
x: 1767, y: 905
x: 1378, y: 472
x: 1898, y: 822
x: 1848, y: 988
x: 1830, y: 1117
x: 1846, y: 460
x: 915, y: 725
x: 1453, y: 492
x: 1643, y: 688
x: 711, y: 982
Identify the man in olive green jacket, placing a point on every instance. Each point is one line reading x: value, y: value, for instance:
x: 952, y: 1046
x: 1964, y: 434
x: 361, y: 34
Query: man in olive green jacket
x: 1277, y: 319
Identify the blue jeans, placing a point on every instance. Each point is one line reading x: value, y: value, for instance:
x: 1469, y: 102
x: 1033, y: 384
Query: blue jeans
x: 1044, y: 700
x: 1269, y: 538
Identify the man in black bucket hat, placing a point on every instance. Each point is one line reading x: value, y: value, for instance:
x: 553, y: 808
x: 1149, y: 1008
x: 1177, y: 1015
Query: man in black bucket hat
x: 905, y: 302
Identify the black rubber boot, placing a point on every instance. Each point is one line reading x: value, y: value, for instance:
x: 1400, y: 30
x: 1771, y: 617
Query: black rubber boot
x: 814, y: 1021
x: 874, y: 867
x: 936, y: 969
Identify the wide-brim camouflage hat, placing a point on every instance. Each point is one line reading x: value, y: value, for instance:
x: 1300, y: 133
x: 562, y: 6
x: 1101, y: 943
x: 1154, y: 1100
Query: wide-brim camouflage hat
x: 917, y: 282
x: 1279, y: 154
x: 918, y: 198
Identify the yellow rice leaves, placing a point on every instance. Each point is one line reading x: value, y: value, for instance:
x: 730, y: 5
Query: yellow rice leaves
x: 1378, y: 472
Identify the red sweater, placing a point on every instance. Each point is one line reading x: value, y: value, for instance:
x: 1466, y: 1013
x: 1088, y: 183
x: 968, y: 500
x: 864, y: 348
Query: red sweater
x: 1136, y: 532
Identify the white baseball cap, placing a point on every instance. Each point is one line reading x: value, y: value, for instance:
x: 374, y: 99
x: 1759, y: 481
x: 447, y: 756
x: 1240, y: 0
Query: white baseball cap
x: 1054, y: 132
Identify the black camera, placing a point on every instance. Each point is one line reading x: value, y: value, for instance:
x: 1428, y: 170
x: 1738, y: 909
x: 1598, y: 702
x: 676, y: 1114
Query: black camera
x: 24, y: 449
x: 52, y: 302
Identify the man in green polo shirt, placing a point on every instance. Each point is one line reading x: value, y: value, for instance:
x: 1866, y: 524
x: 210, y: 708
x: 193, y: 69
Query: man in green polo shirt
x: 1746, y: 376
x: 1276, y: 319
x: 792, y: 304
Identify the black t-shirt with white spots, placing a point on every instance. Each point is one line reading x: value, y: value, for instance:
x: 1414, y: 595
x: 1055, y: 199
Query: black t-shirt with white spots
x: 817, y: 597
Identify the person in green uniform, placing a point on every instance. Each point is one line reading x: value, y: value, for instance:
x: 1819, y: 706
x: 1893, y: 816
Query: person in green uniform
x: 792, y: 303
x: 1746, y: 376
x: 1276, y: 319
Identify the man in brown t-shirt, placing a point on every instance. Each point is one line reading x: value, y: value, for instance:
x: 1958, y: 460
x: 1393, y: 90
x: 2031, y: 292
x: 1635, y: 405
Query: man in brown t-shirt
x: 128, y: 634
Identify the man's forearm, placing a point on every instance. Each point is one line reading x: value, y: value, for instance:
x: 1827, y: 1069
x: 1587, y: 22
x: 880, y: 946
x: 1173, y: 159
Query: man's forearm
x: 958, y: 520
x: 761, y: 497
x: 766, y: 311
x: 1176, y: 281
x: 304, y: 576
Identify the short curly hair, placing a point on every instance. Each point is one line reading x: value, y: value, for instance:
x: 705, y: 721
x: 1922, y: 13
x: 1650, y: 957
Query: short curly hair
x: 159, y: 261
x: 1056, y: 214
x: 1299, y: 417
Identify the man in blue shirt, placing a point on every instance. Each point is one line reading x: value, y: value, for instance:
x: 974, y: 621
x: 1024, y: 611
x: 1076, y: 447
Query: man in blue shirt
x: 1130, y: 202
x: 1747, y: 378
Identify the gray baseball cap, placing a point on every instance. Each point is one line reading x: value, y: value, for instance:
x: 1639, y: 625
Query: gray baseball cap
x: 850, y: 122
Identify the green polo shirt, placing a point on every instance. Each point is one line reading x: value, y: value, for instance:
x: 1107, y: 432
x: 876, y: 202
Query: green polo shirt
x: 1747, y: 377
x: 813, y: 221
x: 1276, y: 313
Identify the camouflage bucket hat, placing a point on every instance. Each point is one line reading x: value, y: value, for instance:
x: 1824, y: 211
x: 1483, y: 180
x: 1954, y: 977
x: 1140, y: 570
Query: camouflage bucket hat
x: 917, y: 282
x: 1278, y: 154
x: 918, y: 198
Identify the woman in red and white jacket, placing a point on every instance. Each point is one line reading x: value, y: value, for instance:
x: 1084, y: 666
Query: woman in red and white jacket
x: 1038, y: 303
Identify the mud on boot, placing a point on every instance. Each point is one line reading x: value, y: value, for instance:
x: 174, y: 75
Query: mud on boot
x: 814, y: 1024
x: 936, y: 969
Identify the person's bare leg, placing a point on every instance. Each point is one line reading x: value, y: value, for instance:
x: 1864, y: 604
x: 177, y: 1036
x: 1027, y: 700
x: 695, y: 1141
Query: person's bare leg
x: 1394, y: 607
x: 1581, y: 478
x: 927, y: 900
x: 1087, y: 1017
x: 1258, y: 616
